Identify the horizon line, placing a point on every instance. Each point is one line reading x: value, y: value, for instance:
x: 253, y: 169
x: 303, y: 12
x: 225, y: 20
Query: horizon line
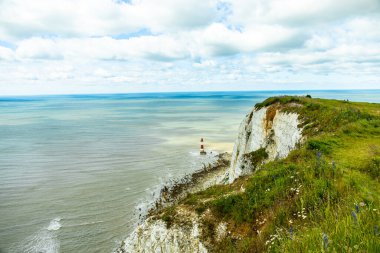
x: 171, y: 92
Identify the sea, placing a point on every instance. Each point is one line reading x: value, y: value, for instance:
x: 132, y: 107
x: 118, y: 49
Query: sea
x: 77, y: 171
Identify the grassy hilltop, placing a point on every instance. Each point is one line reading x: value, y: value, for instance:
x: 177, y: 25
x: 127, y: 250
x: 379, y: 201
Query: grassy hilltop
x: 324, y: 197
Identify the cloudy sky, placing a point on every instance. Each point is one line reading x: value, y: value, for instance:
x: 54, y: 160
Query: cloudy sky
x: 101, y: 46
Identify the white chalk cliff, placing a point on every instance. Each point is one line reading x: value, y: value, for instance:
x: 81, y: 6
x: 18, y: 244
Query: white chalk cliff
x: 154, y: 236
x: 269, y: 128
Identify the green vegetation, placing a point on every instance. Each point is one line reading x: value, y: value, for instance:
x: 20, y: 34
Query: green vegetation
x: 168, y: 216
x: 256, y: 157
x: 281, y: 100
x: 324, y: 197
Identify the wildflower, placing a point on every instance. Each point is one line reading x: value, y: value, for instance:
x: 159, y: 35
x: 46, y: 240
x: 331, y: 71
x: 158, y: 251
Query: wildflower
x: 362, y: 204
x: 319, y: 155
x: 357, y: 208
x: 376, y: 230
x: 354, y: 217
x: 290, y: 222
x: 325, y: 241
x: 291, y: 232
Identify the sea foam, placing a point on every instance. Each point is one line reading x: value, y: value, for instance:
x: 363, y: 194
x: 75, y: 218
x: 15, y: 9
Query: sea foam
x: 43, y: 241
x: 54, y: 224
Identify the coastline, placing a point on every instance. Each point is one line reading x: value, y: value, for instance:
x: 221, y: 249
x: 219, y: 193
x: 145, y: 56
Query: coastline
x: 199, y: 180
x: 171, y: 194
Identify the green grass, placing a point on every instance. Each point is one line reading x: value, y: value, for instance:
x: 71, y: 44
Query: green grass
x: 313, y: 192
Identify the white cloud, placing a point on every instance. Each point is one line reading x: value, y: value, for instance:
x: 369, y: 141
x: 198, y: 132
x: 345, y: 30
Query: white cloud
x: 218, y: 40
x: 103, y: 48
x: 22, y: 19
x: 178, y: 45
x: 6, y: 53
x: 298, y: 13
x: 213, y: 40
x: 205, y: 64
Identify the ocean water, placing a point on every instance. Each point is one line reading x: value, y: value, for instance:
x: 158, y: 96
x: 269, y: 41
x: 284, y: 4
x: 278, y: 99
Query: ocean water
x: 76, y: 169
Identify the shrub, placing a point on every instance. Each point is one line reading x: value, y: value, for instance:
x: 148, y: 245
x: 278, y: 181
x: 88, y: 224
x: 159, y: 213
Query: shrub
x: 374, y: 167
x: 231, y: 206
x: 256, y: 156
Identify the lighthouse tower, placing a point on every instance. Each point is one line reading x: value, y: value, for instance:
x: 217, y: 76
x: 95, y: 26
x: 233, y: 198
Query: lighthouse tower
x: 202, y: 150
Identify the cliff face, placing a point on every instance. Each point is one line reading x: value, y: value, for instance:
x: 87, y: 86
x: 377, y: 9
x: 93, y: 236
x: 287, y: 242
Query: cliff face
x: 154, y: 236
x: 268, y: 128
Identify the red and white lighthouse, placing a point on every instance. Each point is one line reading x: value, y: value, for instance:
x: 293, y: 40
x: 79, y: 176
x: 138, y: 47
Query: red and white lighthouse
x: 202, y: 150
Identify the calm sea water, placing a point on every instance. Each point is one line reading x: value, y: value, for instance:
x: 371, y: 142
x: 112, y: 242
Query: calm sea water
x: 74, y: 170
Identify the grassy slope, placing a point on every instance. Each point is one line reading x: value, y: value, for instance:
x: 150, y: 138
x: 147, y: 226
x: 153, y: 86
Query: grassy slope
x: 325, y: 196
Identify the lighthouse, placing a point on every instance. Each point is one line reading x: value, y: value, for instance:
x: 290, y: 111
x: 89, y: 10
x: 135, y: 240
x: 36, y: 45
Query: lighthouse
x: 202, y: 150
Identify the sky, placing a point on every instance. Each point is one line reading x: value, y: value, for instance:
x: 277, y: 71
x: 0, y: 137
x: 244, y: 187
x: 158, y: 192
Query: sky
x: 116, y: 46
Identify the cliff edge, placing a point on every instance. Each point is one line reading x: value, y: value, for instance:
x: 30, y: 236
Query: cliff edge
x: 304, y: 177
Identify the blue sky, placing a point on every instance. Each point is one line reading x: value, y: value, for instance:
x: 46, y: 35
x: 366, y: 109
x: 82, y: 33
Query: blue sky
x: 110, y: 46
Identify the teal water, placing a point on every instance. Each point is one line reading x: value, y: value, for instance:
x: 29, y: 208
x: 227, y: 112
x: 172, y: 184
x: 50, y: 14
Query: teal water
x: 76, y: 169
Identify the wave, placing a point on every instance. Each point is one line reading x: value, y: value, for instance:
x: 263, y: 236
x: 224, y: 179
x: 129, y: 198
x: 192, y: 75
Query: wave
x: 154, y: 194
x: 43, y: 241
x: 54, y: 224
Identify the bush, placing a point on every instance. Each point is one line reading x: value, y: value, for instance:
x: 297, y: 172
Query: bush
x: 256, y: 156
x: 374, y: 167
x: 168, y: 216
x: 232, y: 206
